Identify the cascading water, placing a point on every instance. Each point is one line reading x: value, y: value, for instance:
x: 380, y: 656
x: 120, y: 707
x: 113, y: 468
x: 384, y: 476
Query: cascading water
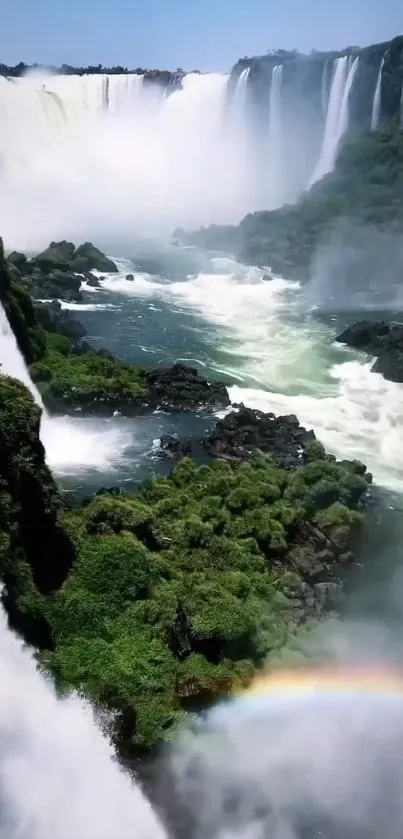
x: 11, y: 360
x: 58, y: 775
x: 344, y: 71
x: 376, y: 106
x: 71, y: 444
x: 101, y: 156
x: 324, y: 95
x: 276, y: 185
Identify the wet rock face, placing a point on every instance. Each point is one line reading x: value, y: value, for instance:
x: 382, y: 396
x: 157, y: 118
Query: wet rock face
x: 239, y: 433
x: 181, y: 388
x: 58, y: 271
x: 243, y: 431
x: 380, y: 339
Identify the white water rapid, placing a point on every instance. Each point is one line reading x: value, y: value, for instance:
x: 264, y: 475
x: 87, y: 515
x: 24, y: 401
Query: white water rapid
x: 376, y: 106
x: 344, y: 70
x: 286, y: 363
x: 58, y: 775
x: 72, y: 444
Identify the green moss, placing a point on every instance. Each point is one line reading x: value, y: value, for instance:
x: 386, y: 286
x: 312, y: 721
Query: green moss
x: 177, y: 595
x: 64, y: 376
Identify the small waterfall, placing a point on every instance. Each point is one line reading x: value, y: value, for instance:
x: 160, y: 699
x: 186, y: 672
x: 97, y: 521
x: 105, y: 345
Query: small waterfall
x: 239, y: 98
x: 58, y: 775
x: 324, y: 95
x: 344, y: 111
x: 11, y: 360
x: 376, y: 105
x: 344, y: 71
x: 275, y: 101
x: 276, y: 183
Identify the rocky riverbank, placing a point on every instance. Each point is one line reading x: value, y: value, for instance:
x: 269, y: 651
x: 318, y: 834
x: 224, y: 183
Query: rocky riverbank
x: 379, y: 339
x: 59, y: 271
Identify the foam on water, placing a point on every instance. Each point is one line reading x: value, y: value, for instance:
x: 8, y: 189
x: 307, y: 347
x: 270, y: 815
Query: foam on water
x: 75, y: 445
x: 286, y: 362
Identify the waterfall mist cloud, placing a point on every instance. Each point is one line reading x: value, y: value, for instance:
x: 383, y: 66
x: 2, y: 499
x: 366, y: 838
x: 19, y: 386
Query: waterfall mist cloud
x: 356, y: 268
x: 295, y: 766
x: 69, y: 167
x: 301, y: 765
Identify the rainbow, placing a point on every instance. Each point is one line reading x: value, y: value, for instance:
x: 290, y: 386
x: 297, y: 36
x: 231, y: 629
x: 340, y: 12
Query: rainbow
x: 334, y: 680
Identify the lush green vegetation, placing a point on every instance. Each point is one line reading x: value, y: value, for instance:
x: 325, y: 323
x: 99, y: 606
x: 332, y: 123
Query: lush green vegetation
x: 180, y: 591
x: 365, y: 189
x: 65, y: 376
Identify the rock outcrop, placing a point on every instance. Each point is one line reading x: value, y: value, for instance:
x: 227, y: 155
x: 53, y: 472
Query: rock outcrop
x: 58, y: 271
x: 182, y: 388
x: 243, y: 431
x: 34, y: 549
x: 380, y: 339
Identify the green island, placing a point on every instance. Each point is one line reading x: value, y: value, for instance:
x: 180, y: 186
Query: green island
x: 156, y: 603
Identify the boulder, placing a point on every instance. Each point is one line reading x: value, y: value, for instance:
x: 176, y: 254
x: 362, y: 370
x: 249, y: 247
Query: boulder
x: 175, y: 446
x: 244, y: 430
x: 92, y: 281
x: 53, y: 318
x: 59, y: 255
x: 18, y: 259
x: 380, y: 339
x: 96, y: 260
x: 62, y: 285
x: 181, y: 388
x: 63, y: 256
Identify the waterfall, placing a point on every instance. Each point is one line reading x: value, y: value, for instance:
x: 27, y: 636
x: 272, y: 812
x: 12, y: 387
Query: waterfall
x: 100, y: 156
x: 324, y: 94
x: 344, y: 71
x: 275, y: 169
x: 376, y: 105
x: 58, y: 776
x: 11, y: 360
x: 72, y: 444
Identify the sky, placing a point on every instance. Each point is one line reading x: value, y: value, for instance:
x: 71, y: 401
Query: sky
x: 192, y: 34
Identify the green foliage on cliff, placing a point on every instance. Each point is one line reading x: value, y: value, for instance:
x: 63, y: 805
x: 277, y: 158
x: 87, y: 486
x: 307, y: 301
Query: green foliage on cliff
x: 65, y: 376
x: 180, y: 591
x: 35, y: 552
x: 365, y: 189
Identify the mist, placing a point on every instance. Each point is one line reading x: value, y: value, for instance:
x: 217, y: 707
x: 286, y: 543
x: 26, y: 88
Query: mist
x: 109, y: 158
x: 72, y: 167
x: 311, y: 762
x: 357, y: 268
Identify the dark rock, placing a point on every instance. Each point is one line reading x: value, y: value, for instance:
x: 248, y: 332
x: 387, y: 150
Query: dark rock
x: 239, y: 433
x: 130, y: 277
x: 14, y: 273
x: 59, y: 255
x: 92, y: 281
x: 63, y: 258
x: 30, y: 523
x: 175, y: 446
x: 53, y: 318
x: 62, y: 285
x: 18, y: 259
x: 181, y: 388
x: 96, y: 260
x: 381, y: 339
